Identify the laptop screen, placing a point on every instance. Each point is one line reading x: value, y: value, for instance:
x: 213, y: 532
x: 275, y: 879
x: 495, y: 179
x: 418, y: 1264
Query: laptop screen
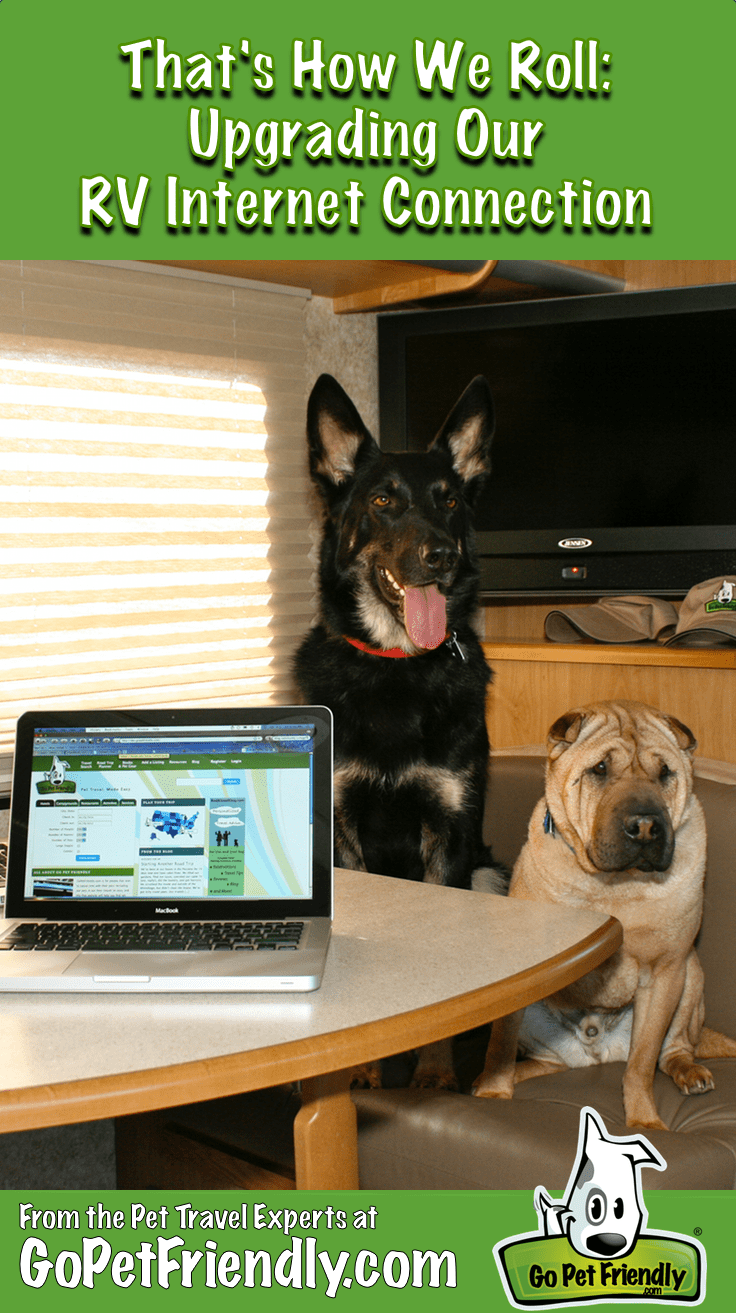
x: 171, y: 811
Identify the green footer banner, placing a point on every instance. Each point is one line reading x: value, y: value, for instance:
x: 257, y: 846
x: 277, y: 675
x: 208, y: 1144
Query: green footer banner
x: 286, y: 1250
x: 595, y: 1244
x: 169, y: 128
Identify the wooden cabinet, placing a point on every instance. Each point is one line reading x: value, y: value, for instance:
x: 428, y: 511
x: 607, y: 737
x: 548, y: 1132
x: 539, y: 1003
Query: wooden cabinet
x: 535, y: 682
x: 356, y: 286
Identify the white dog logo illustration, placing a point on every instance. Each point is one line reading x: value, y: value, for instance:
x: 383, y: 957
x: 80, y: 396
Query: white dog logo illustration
x: 57, y: 773
x: 602, y: 1211
x: 594, y: 1245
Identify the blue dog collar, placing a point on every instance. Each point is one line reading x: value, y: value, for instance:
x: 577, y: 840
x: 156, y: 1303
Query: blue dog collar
x: 550, y: 828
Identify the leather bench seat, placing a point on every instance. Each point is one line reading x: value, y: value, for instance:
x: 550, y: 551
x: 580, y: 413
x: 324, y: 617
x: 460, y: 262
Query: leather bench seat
x: 426, y: 1139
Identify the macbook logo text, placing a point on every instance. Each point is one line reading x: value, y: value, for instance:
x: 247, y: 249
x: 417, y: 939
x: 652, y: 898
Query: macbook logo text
x: 167, y: 909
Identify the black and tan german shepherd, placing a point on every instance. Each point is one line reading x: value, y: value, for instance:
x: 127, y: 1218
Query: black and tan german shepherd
x: 394, y: 654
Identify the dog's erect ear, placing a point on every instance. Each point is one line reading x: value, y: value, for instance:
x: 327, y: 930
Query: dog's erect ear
x: 467, y: 434
x: 338, y: 440
x: 563, y: 733
x: 685, y: 737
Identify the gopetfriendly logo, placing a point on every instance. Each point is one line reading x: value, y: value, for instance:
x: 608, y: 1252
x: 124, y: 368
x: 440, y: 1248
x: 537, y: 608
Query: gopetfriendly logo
x: 592, y: 1246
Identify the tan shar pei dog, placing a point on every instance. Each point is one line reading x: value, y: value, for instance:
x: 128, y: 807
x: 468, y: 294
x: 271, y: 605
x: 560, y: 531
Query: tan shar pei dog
x: 620, y: 831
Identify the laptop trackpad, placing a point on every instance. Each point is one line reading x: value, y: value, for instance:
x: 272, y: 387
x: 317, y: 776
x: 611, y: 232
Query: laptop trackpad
x: 117, y: 966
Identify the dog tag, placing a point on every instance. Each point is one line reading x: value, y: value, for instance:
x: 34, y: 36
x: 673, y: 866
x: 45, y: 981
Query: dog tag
x: 456, y: 647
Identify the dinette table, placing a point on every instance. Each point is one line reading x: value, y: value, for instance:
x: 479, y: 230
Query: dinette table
x: 408, y: 964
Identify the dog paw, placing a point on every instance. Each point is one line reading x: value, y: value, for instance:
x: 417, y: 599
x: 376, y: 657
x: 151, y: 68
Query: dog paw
x: 647, y: 1123
x: 366, y: 1077
x: 689, y: 1076
x: 640, y: 1110
x: 434, y: 1079
x: 491, y: 1090
x: 697, y: 1080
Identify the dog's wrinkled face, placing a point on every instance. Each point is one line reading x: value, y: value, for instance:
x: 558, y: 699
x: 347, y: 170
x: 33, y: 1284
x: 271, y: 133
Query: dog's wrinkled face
x: 619, y: 776
x: 398, y: 537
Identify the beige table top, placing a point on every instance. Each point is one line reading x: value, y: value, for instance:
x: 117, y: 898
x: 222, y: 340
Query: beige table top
x: 408, y: 963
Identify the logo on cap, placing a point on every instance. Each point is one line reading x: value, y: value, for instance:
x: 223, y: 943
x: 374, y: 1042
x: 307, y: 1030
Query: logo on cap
x: 724, y: 599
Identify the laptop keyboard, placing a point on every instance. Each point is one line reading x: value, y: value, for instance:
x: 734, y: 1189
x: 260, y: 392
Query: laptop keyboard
x: 147, y: 936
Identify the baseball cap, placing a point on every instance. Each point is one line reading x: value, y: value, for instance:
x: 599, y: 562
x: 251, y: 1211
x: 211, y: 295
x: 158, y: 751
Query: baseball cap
x: 707, y: 615
x: 631, y: 619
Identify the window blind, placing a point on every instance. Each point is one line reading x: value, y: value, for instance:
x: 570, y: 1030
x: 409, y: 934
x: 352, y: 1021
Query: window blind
x: 155, y: 521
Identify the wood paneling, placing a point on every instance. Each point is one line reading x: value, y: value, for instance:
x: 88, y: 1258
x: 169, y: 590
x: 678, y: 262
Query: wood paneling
x: 515, y: 620
x: 153, y: 1154
x: 532, y: 688
x: 354, y: 285
x: 357, y: 285
x: 661, y: 273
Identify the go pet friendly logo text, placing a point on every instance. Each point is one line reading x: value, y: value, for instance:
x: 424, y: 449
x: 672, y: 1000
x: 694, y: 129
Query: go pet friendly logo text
x: 592, y: 1246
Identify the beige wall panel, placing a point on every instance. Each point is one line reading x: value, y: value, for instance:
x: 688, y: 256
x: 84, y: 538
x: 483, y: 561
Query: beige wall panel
x: 527, y: 697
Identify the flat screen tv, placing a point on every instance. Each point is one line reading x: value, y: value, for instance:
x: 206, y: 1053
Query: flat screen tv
x: 614, y: 459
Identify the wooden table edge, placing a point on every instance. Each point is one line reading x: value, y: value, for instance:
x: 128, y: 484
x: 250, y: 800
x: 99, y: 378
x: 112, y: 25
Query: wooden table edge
x: 95, y: 1098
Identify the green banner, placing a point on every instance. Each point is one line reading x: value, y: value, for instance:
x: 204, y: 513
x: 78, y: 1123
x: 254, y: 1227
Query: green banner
x: 75, y: 872
x: 168, y: 129
x: 265, y: 761
x: 546, y: 1270
x: 289, y: 1250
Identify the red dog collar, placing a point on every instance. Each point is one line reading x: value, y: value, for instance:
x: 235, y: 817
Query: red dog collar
x: 379, y: 651
x: 450, y: 638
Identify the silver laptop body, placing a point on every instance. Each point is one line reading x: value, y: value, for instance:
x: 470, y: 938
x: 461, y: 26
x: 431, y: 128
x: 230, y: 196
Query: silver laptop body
x: 160, y: 851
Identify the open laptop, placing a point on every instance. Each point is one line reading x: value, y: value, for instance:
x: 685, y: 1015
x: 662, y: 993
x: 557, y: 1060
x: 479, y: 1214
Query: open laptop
x: 154, y: 851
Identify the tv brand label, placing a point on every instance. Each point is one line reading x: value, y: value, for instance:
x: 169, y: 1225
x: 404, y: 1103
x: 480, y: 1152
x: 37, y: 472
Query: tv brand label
x: 575, y: 543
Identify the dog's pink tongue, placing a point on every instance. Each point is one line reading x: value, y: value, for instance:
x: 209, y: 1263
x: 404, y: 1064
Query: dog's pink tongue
x: 425, y: 613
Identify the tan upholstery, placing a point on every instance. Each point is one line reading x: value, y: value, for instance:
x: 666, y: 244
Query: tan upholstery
x: 419, y: 1139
